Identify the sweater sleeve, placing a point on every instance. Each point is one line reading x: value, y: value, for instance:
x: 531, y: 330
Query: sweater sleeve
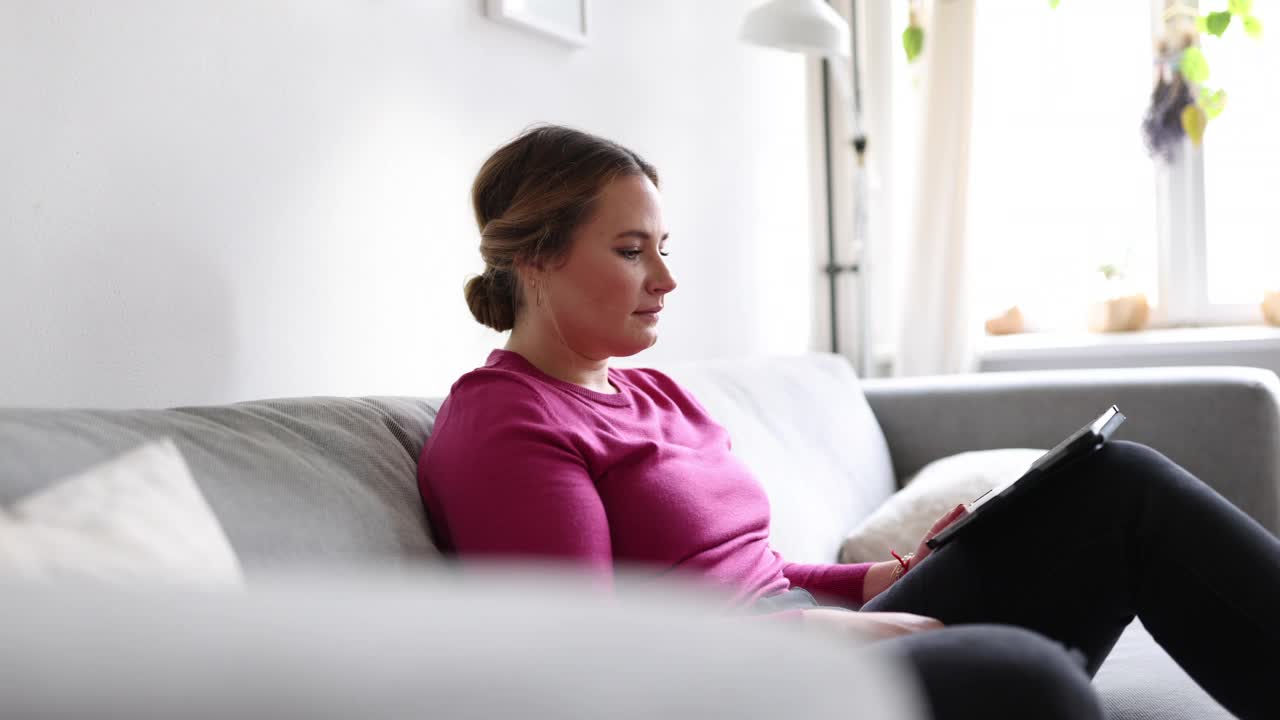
x: 838, y: 584
x: 509, y: 483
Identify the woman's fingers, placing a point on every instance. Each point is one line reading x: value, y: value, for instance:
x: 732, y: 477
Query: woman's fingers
x: 907, y: 623
x: 923, y: 550
x: 946, y: 520
x: 870, y: 625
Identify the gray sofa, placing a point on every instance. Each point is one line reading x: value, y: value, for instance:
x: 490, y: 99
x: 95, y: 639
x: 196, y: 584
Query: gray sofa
x: 1221, y: 423
x: 327, y: 485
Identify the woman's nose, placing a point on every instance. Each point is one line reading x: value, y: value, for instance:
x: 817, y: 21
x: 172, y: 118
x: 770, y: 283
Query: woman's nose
x: 662, y: 281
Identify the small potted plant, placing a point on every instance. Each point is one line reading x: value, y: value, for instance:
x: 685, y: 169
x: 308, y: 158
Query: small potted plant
x: 1117, y: 306
x: 1271, y: 306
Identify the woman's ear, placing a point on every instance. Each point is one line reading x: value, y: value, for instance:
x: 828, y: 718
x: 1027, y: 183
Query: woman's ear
x: 530, y: 267
x: 528, y: 279
x: 525, y: 273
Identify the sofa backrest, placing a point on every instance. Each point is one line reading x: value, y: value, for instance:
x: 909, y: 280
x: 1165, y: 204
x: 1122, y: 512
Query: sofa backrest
x: 320, y: 479
x: 290, y: 480
x: 802, y: 425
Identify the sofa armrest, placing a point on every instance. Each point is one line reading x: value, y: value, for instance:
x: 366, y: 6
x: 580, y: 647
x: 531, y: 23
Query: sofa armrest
x: 1221, y: 423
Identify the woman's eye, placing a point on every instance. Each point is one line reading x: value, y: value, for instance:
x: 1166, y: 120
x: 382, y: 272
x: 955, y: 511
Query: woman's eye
x: 633, y: 254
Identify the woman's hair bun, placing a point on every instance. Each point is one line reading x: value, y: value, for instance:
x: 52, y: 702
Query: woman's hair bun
x: 490, y: 301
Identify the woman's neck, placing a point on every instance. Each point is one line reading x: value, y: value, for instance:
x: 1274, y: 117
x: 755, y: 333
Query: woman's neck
x: 561, y: 362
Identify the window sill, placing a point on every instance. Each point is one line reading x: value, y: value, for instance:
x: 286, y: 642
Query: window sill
x: 1230, y: 345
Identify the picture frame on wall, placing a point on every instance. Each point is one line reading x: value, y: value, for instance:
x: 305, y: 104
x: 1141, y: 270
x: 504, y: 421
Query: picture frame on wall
x: 562, y: 20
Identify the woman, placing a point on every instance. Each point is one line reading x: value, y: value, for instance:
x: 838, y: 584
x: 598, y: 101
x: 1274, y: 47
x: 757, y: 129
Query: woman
x: 547, y: 452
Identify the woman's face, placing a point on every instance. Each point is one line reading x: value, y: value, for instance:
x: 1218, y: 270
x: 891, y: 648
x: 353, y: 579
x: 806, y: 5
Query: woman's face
x: 605, y: 296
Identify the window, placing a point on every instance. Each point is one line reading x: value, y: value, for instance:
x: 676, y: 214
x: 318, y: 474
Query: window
x: 1242, y: 175
x: 1060, y: 182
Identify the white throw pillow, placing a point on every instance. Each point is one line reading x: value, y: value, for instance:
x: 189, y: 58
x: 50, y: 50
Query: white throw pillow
x: 901, y: 522
x: 139, y: 517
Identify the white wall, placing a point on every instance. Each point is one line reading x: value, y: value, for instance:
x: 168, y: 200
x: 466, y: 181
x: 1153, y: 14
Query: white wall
x: 204, y: 202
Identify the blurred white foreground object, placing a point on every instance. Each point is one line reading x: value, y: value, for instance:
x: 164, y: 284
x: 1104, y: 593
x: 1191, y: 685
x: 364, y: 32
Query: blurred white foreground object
x: 425, y: 644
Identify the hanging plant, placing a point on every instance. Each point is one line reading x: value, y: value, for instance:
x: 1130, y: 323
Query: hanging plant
x: 1182, y: 101
x: 913, y: 36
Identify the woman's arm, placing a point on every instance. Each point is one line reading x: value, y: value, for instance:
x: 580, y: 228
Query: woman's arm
x: 856, y: 583
x: 840, y: 584
x: 879, y: 578
x: 509, y: 484
x: 848, y: 585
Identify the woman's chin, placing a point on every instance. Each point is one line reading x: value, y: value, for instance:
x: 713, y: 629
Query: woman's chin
x: 637, y: 345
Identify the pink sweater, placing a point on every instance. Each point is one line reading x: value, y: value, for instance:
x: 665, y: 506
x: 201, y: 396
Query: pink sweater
x: 521, y: 464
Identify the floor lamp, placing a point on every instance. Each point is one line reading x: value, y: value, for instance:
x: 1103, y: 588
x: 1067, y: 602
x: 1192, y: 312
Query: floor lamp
x: 812, y: 27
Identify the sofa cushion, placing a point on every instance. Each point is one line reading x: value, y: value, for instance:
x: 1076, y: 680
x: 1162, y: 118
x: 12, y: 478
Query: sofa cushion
x: 902, y: 521
x: 1139, y: 681
x: 137, y: 517
x: 290, y: 480
x: 804, y: 428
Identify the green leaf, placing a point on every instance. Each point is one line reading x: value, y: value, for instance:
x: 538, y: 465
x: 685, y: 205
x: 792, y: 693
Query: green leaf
x: 1253, y: 27
x: 1216, y: 23
x: 1053, y: 4
x: 1193, y: 65
x: 1193, y: 122
x: 913, y: 42
x: 1240, y: 7
x: 1213, y: 103
x: 1202, y: 25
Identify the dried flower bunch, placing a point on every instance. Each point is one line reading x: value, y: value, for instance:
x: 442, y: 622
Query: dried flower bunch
x: 1182, y: 102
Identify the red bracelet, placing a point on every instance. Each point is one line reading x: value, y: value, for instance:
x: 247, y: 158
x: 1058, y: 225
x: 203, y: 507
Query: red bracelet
x: 904, y: 566
x: 901, y: 561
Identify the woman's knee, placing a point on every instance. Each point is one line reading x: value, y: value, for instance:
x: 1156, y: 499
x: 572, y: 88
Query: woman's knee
x: 999, y: 671
x: 1135, y: 455
x: 1132, y: 468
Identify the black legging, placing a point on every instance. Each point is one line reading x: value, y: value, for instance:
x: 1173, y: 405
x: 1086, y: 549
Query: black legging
x: 1123, y: 532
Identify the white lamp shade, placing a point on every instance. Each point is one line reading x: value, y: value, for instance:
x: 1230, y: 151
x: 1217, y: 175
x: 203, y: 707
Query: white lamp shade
x: 808, y: 26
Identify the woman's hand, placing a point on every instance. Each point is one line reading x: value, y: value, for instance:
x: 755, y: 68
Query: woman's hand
x: 884, y: 574
x: 923, y: 550
x: 867, y: 626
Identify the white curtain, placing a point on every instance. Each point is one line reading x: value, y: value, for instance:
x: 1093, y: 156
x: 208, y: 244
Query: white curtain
x: 935, y: 331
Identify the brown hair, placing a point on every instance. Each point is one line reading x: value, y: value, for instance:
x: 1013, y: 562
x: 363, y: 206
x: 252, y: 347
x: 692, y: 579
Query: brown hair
x: 528, y: 197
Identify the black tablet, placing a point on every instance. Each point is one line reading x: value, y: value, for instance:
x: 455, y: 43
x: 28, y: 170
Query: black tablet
x: 1081, y: 443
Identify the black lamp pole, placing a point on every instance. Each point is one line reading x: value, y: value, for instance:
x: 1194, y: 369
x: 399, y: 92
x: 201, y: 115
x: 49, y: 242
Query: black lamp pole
x: 833, y: 269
